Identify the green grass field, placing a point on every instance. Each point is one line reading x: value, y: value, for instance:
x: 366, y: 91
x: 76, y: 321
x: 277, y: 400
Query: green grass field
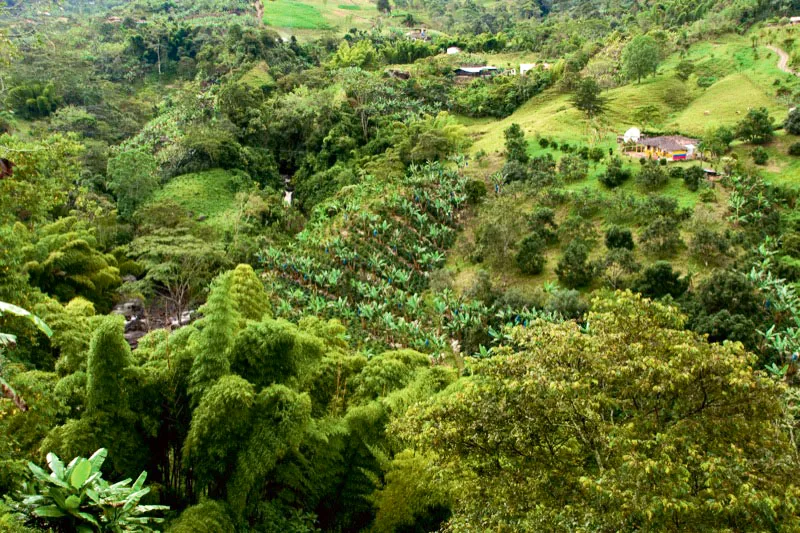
x: 307, y: 18
x: 294, y: 14
x: 211, y: 193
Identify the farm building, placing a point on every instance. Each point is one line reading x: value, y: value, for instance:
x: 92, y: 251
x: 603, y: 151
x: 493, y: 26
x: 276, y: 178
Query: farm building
x: 670, y: 147
x: 794, y: 20
x: 420, y: 34
x: 476, y: 72
x: 453, y: 50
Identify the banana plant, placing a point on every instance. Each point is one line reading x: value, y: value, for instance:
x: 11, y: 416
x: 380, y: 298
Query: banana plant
x: 75, y: 497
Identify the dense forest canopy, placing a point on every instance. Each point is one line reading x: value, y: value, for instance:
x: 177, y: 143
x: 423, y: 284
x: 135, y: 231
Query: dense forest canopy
x: 399, y: 266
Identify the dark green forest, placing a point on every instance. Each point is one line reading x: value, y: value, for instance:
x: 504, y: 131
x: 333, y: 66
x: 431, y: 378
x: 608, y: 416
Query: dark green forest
x: 294, y: 266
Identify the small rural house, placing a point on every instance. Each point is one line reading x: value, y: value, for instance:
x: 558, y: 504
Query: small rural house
x: 794, y: 20
x: 524, y: 68
x: 632, y: 135
x: 453, y: 50
x: 420, y: 34
x: 477, y: 72
x: 669, y: 147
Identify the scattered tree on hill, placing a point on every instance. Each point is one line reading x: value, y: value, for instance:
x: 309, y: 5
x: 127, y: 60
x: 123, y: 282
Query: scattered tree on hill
x: 617, y: 237
x: 659, y: 280
x: 757, y: 127
x: 588, y: 98
x: 652, y: 177
x: 530, y: 258
x: 684, y: 69
x: 759, y: 155
x: 573, y: 168
x: 641, y: 57
x: 384, y: 6
x: 574, y: 269
x: 661, y: 237
x: 132, y: 178
x: 615, y: 174
x: 516, y: 146
x: 792, y: 122
x: 693, y: 177
x: 717, y: 141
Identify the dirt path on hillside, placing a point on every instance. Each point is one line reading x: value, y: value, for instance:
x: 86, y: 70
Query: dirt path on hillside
x: 259, y: 11
x: 783, y: 60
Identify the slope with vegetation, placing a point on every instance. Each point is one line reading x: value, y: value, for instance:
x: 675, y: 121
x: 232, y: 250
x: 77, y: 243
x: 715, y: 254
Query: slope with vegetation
x: 277, y: 266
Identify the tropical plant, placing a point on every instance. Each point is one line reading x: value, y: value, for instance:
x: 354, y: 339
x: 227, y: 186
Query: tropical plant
x: 75, y: 497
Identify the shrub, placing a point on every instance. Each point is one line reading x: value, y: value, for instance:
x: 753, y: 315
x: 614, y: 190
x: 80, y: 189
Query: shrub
x: 792, y: 123
x: 693, y: 177
x: 475, y: 191
x: 794, y: 149
x: 516, y: 146
x: 676, y: 173
x: 572, y: 168
x: 652, y: 177
x: 760, y: 156
x: 709, y: 246
x: 513, y: 171
x: 530, y: 257
x: 708, y: 196
x: 617, y: 237
x: 661, y: 237
x: 662, y: 162
x: 596, y: 154
x: 615, y: 175
x: 757, y: 127
x: 573, y: 268
x: 568, y: 303
x: 544, y: 142
x: 660, y: 280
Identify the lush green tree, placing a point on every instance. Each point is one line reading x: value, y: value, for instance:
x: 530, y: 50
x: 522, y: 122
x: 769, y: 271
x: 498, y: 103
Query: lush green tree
x: 641, y: 57
x: 684, y: 69
x: 109, y: 356
x: 383, y: 6
x: 212, y: 342
x: 652, y: 177
x: 63, y: 260
x: 792, y: 122
x: 132, y: 177
x: 727, y: 306
x: 573, y: 168
x: 475, y: 191
x: 717, y: 141
x: 574, y: 269
x: 693, y: 177
x: 659, y: 280
x: 617, y: 237
x: 759, y: 155
x: 530, y: 257
x: 516, y: 145
x: 34, y: 100
x: 220, y: 422
x: 709, y: 246
x: 662, y: 237
x: 179, y: 262
x: 612, y: 428
x: 757, y: 127
x: 615, y: 175
x: 588, y: 98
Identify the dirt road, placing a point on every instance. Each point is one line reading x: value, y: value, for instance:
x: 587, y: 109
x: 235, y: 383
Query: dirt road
x: 260, y: 11
x: 783, y: 60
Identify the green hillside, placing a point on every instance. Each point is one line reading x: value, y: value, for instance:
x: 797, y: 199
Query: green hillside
x: 334, y: 266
